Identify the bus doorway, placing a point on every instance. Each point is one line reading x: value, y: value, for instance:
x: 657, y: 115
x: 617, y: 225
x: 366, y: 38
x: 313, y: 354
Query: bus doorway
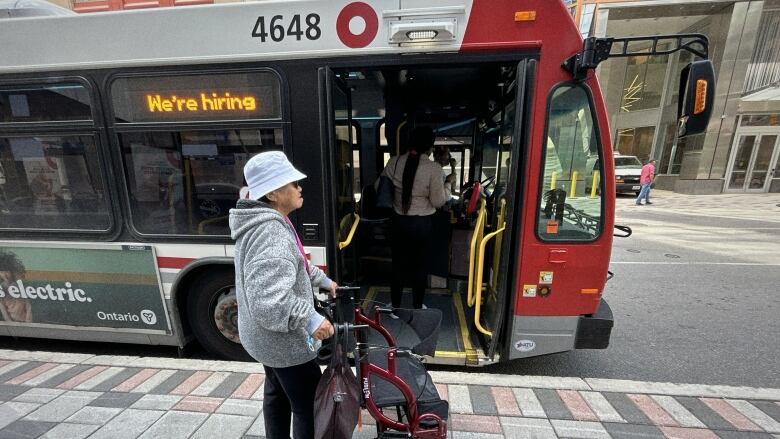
x: 475, y: 112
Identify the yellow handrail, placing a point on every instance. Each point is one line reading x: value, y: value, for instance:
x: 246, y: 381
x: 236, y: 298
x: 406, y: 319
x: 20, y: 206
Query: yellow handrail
x: 497, y: 247
x: 344, y: 244
x: 479, y: 230
x: 478, y: 293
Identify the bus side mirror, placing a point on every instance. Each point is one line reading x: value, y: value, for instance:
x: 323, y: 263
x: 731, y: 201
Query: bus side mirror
x: 697, y: 95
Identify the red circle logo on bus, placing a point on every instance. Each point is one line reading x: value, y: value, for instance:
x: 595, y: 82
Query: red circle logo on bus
x: 364, y: 38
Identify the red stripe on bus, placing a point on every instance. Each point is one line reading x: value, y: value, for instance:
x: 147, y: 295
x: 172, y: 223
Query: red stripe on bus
x: 167, y: 262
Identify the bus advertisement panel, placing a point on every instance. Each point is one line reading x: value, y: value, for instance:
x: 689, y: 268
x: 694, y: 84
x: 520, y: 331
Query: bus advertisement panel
x: 99, y: 287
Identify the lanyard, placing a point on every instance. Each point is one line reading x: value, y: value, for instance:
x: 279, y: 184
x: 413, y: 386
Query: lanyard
x: 300, y: 246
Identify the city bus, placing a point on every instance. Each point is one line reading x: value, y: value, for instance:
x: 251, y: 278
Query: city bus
x: 123, y: 136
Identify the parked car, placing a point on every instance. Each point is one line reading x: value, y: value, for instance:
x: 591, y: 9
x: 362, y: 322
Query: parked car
x: 628, y: 169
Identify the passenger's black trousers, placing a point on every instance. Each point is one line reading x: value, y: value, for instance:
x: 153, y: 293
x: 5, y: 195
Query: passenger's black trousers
x: 411, y: 257
x: 290, y: 391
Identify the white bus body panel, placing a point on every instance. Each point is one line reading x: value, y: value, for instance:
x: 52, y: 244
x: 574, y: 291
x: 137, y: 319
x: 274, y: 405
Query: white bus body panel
x: 212, y: 34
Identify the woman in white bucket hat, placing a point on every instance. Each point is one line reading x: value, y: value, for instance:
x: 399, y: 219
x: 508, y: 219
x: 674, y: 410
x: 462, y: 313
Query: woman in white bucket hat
x: 277, y: 322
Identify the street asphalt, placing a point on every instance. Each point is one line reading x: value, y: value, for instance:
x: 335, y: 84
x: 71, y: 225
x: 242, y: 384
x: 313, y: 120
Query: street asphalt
x: 695, y: 295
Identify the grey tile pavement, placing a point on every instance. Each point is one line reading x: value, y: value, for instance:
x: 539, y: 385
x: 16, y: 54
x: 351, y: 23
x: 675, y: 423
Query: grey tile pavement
x: 116, y: 399
x: 26, y: 429
x: 224, y: 426
x: 131, y: 423
x: 175, y: 425
x: 70, y: 431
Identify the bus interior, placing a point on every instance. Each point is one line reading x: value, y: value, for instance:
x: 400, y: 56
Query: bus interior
x: 472, y: 111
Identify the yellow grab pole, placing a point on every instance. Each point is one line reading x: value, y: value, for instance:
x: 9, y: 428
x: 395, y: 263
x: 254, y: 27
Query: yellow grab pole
x: 478, y: 293
x: 348, y: 241
x: 573, y: 189
x: 552, y: 180
x: 475, y: 239
x: 594, y: 185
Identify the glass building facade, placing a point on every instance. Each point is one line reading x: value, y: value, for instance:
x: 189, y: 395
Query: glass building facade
x: 739, y: 151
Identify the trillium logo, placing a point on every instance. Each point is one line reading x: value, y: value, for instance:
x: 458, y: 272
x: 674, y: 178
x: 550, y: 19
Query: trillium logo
x: 148, y: 317
x: 525, y: 345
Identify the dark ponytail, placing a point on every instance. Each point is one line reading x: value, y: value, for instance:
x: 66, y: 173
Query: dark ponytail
x: 420, y: 141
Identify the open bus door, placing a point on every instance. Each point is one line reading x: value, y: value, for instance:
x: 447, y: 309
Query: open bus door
x: 337, y: 137
x: 513, y: 141
x: 498, y: 163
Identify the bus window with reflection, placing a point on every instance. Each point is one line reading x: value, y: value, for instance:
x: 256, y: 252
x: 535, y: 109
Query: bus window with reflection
x: 52, y: 183
x: 570, y: 205
x: 185, y: 182
x: 45, y: 103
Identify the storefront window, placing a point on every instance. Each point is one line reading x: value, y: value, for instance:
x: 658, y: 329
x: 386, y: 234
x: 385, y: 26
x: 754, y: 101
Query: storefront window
x: 635, y: 141
x: 644, y: 83
x: 760, y: 120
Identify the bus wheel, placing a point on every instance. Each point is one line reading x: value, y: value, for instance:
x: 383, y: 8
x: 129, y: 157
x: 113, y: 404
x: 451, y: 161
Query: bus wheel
x: 213, y: 315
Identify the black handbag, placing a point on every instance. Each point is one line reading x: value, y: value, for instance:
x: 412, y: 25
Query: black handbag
x: 385, y: 191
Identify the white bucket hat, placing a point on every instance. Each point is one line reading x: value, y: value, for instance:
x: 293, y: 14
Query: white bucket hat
x: 268, y: 171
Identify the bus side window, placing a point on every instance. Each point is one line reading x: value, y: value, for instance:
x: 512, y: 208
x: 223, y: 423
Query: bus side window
x: 185, y: 182
x: 570, y: 207
x: 52, y: 182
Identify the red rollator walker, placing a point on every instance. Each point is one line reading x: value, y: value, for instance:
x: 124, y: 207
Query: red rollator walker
x: 391, y: 383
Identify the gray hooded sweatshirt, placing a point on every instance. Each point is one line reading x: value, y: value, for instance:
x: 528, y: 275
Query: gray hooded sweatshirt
x: 274, y: 291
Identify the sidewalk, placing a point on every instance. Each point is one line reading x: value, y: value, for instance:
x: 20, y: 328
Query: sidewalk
x: 742, y: 206
x: 56, y: 395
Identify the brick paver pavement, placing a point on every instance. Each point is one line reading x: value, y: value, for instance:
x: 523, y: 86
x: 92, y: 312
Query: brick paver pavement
x: 52, y: 395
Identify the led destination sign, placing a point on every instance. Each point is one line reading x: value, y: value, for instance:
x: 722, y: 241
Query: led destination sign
x: 204, y: 102
x: 204, y: 97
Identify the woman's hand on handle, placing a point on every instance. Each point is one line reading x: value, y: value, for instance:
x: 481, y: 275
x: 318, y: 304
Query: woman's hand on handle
x: 324, y: 331
x: 333, y: 288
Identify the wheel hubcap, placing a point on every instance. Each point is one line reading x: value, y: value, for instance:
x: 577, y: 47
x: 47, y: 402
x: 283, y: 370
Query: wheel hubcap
x: 226, y: 314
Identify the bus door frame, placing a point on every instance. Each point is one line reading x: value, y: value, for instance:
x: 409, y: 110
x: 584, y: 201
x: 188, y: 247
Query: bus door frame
x: 329, y: 83
x: 515, y: 195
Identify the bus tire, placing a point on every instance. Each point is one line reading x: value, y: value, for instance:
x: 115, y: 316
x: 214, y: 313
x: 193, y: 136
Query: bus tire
x: 210, y: 290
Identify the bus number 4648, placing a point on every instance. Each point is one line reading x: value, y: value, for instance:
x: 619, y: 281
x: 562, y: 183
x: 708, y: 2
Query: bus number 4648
x: 277, y: 32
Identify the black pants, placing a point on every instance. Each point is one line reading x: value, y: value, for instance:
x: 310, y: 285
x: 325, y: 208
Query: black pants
x: 290, y: 391
x: 411, y: 257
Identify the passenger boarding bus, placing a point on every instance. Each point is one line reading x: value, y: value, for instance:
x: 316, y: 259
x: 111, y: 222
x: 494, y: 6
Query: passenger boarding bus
x: 123, y: 137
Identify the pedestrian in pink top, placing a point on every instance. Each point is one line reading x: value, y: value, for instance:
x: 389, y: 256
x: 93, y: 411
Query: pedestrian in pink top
x: 646, y: 180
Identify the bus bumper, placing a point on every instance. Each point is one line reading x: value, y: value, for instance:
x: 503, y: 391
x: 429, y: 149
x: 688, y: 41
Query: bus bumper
x: 593, y: 332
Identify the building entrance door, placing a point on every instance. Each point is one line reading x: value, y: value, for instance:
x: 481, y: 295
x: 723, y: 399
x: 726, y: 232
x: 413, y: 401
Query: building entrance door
x: 753, y: 162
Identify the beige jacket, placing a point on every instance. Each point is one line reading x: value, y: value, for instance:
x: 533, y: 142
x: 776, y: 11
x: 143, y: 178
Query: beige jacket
x: 428, y: 192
